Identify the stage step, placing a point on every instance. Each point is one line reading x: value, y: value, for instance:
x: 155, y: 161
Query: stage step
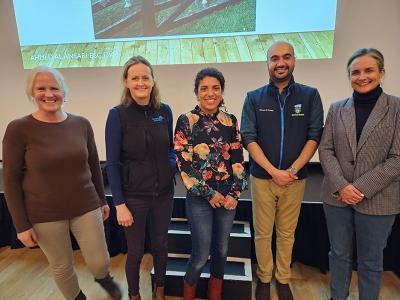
x: 179, y: 240
x: 237, y: 279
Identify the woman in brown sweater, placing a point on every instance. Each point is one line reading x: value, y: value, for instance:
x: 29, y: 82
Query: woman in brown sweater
x: 53, y: 185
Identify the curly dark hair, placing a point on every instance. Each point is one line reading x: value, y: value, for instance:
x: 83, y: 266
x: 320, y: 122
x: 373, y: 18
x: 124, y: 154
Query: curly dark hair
x: 209, y: 72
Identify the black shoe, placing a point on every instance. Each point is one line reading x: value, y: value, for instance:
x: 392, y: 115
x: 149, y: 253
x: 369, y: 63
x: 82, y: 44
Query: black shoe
x: 81, y: 296
x: 262, y: 290
x: 111, y: 287
x: 284, y: 291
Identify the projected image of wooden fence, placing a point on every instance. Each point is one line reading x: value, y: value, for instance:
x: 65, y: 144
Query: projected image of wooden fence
x: 307, y: 45
x: 137, y: 18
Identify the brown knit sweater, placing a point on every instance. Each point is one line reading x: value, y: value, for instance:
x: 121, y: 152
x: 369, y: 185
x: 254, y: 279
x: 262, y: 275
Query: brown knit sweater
x: 51, y: 170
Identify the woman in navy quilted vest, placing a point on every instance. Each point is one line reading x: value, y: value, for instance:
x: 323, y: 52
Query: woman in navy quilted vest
x: 140, y: 169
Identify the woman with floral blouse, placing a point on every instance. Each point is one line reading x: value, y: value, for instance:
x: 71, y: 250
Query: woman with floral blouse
x: 210, y: 161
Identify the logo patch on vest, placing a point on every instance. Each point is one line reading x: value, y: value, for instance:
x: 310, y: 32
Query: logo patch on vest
x: 158, y: 119
x: 297, y: 111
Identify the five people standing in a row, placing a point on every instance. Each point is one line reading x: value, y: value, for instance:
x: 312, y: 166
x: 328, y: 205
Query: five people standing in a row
x: 53, y: 182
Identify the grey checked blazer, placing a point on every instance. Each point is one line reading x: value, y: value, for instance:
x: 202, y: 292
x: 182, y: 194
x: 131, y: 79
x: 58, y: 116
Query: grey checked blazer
x: 372, y: 165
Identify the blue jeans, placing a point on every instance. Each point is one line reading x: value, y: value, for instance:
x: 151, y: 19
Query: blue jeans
x: 210, y: 229
x: 347, y: 227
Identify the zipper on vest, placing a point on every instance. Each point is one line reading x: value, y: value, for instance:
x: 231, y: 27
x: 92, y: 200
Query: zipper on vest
x: 149, y: 141
x: 282, y: 107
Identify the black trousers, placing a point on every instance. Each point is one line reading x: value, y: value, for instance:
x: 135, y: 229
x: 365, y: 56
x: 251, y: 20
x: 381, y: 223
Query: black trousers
x: 159, y: 210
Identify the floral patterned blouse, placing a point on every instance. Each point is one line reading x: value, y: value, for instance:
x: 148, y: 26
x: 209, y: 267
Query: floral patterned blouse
x: 209, y: 150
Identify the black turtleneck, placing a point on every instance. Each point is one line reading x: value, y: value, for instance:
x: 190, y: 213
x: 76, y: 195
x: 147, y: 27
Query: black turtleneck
x: 364, y: 104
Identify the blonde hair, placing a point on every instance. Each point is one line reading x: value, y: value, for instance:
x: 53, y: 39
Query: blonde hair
x: 126, y: 98
x: 44, y: 69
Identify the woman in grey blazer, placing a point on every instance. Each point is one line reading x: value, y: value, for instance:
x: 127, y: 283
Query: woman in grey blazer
x: 360, y: 156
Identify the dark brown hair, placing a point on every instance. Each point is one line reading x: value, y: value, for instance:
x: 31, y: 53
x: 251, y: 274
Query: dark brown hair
x: 374, y: 53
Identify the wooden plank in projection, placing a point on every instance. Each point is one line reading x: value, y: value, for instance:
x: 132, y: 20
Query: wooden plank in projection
x: 64, y: 53
x: 89, y: 51
x: 198, y: 51
x: 112, y: 54
x: 55, y: 59
x: 279, y: 37
x: 34, y: 56
x: 51, y: 50
x: 92, y: 50
x: 255, y: 48
x: 130, y: 49
x: 325, y: 39
x: 243, y: 50
x: 231, y: 49
x: 117, y: 54
x: 151, y: 51
x: 186, y: 51
x: 312, y: 44
x: 163, y: 52
x: 174, y: 51
x: 28, y: 56
x: 209, y: 50
x: 102, y: 54
x: 220, y: 50
x: 300, y: 49
x: 266, y: 41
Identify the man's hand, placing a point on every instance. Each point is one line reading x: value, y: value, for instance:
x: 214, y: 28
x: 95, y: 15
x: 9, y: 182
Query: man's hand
x: 283, y: 178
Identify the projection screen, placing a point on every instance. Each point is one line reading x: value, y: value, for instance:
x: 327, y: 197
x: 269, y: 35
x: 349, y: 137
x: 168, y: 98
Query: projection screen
x: 104, y: 33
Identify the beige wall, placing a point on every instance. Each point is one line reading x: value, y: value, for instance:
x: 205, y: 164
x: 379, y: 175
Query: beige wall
x: 360, y: 23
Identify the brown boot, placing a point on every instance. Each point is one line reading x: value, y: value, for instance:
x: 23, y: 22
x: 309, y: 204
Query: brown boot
x: 189, y: 292
x: 214, y: 288
x: 110, y: 286
x: 137, y: 297
x: 158, y: 293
